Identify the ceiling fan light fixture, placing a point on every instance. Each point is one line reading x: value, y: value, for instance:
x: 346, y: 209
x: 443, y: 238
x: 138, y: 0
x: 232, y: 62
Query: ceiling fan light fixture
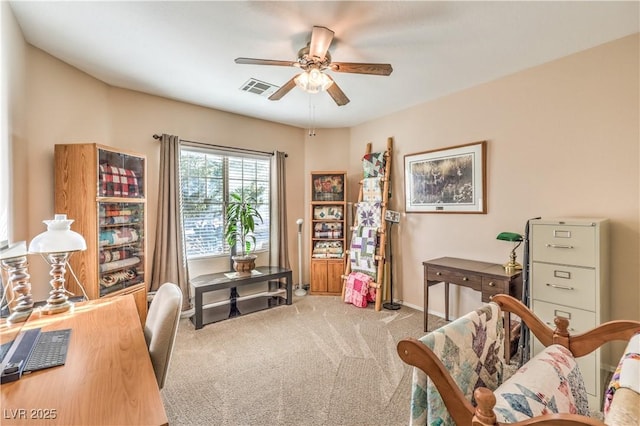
x: 313, y: 81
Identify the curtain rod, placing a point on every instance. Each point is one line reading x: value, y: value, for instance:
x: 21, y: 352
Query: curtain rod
x: 228, y: 148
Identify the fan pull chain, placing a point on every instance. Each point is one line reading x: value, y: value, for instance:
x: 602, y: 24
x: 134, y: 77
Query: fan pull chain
x: 312, y: 118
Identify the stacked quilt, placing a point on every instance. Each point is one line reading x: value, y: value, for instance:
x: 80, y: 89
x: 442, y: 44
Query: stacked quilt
x: 328, y: 250
x: 327, y: 230
x: 358, y: 291
x: 328, y: 212
x: 110, y: 237
x: 118, y: 182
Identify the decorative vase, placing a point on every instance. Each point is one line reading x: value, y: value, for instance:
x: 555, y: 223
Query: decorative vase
x: 244, y: 264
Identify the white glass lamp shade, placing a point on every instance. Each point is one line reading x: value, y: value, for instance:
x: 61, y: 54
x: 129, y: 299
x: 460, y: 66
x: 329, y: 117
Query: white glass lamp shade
x: 313, y: 81
x: 58, y: 238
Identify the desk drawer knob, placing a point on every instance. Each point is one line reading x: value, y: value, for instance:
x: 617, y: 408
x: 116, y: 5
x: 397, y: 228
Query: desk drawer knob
x: 492, y: 284
x: 465, y: 279
x: 438, y: 273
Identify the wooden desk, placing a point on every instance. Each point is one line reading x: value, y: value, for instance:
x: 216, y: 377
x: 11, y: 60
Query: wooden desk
x: 108, y: 378
x: 488, y: 278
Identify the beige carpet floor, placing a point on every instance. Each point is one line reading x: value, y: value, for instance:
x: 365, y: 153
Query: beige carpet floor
x: 316, y: 362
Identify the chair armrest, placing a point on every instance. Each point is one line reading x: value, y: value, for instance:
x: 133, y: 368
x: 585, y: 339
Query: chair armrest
x: 415, y: 353
x: 510, y: 304
x: 484, y: 415
x: 579, y: 344
x: 585, y: 343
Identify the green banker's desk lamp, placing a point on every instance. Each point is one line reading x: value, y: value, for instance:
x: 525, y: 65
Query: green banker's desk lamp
x: 514, y: 238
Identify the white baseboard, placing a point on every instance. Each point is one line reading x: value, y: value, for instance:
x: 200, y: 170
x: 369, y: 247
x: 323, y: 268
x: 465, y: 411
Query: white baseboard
x: 421, y: 309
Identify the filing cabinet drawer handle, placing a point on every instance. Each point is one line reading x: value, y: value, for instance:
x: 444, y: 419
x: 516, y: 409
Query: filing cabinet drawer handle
x: 563, y: 287
x: 553, y: 325
x: 492, y: 284
x: 560, y: 246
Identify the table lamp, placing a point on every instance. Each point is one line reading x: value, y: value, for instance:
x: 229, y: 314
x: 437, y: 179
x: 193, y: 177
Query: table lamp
x: 14, y: 259
x: 513, y: 237
x: 57, y: 243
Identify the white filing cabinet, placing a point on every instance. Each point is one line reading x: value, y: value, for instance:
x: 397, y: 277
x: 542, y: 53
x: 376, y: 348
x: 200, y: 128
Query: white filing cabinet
x: 570, y: 278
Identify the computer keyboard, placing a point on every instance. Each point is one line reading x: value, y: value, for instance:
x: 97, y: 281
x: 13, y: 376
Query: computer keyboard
x: 34, y: 350
x: 4, y: 348
x: 50, y: 350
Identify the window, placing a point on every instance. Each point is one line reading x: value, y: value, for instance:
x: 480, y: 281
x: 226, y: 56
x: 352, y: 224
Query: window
x: 207, y: 177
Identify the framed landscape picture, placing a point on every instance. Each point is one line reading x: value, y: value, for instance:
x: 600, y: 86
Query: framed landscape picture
x: 448, y: 180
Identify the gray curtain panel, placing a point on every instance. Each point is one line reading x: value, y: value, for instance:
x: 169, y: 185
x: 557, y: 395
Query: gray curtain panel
x: 169, y: 261
x: 279, y: 238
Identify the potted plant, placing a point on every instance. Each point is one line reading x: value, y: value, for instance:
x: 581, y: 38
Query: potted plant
x: 241, y: 221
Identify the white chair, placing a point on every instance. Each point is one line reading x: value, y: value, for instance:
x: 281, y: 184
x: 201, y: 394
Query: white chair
x: 161, y: 327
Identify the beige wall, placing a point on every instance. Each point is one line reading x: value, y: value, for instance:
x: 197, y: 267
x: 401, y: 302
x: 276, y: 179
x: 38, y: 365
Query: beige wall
x: 563, y: 140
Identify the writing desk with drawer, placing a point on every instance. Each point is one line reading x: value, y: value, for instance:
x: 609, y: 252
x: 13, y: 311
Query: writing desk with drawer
x: 488, y: 278
x: 108, y: 378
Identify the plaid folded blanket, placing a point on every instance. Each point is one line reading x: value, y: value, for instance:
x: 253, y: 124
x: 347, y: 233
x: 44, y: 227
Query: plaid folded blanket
x: 358, y: 291
x: 118, y: 182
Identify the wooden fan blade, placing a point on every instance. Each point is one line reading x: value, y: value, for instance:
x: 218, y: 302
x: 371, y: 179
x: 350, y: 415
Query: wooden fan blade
x: 336, y: 93
x: 321, y: 38
x: 253, y: 61
x: 360, y: 68
x: 286, y: 88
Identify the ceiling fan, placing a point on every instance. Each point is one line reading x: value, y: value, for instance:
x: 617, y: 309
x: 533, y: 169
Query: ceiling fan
x: 314, y: 59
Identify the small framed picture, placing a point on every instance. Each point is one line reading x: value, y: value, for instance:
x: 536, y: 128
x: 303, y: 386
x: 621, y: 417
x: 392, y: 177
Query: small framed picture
x: 391, y: 216
x: 448, y: 180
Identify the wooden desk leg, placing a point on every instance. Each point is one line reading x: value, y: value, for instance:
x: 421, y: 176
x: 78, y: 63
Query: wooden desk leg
x: 426, y: 302
x: 446, y: 301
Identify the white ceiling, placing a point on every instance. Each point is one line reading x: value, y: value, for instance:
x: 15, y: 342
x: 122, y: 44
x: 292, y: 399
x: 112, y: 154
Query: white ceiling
x: 185, y: 50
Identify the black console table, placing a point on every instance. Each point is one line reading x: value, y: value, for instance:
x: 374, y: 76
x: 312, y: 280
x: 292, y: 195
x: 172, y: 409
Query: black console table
x: 221, y: 280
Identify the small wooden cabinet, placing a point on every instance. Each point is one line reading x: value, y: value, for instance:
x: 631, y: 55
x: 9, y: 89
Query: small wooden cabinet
x: 570, y: 278
x: 328, y: 231
x: 326, y: 276
x: 103, y: 190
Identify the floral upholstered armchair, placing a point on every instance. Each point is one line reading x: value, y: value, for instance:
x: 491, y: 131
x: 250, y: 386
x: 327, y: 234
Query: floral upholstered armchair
x: 459, y: 379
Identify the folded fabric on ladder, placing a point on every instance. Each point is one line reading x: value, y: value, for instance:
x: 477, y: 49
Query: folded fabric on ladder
x: 369, y: 214
x: 368, y: 243
x: 363, y: 250
x: 358, y: 291
x: 373, y: 164
x: 371, y: 190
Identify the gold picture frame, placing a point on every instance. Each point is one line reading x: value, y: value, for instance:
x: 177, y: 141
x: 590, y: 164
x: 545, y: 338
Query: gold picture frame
x: 447, y: 180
